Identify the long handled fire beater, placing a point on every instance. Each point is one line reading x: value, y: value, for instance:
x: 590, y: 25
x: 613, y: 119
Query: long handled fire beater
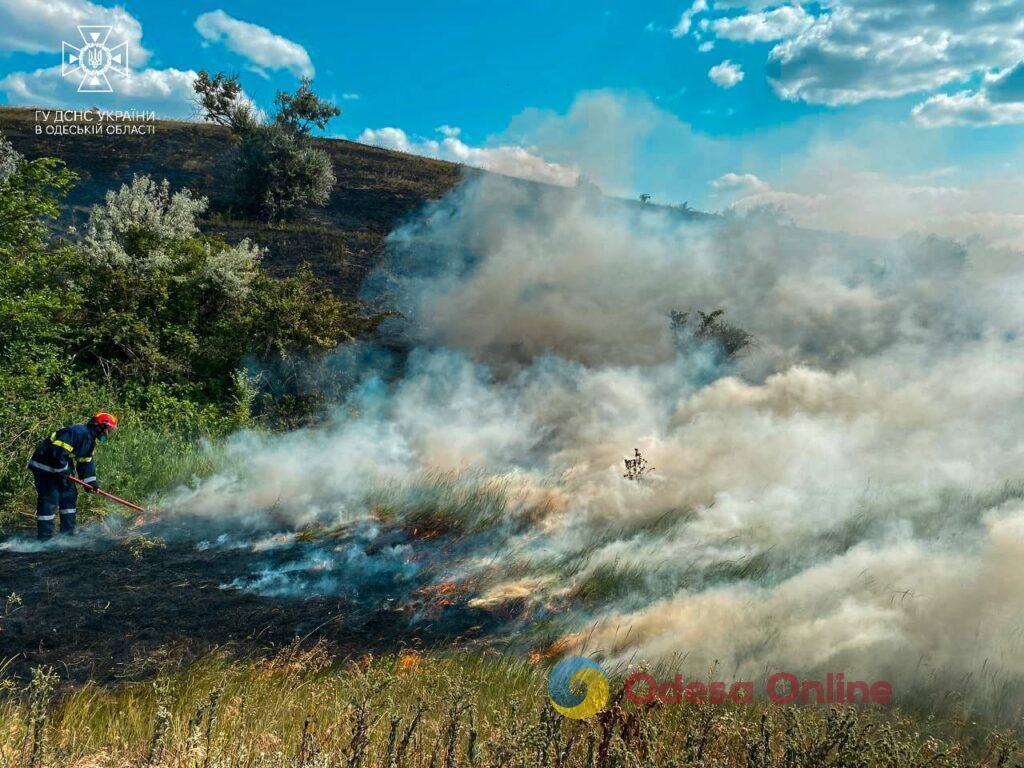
x: 110, y: 496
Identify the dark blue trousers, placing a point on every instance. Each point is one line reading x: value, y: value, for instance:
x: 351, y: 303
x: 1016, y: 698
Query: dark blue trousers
x: 55, y: 496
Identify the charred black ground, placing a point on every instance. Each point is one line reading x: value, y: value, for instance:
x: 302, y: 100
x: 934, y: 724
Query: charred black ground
x: 117, y: 608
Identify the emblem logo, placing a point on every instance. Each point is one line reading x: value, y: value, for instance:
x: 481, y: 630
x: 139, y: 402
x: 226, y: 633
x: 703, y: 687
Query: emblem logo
x: 94, y: 60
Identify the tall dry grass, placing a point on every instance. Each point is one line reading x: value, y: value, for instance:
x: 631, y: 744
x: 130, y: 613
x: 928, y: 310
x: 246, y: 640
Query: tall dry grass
x: 301, y: 709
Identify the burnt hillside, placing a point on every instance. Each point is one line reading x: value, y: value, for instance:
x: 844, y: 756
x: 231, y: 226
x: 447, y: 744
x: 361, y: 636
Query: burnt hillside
x: 375, y: 188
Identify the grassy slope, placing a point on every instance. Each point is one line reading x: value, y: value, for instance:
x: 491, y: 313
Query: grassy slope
x: 376, y: 188
x: 260, y: 717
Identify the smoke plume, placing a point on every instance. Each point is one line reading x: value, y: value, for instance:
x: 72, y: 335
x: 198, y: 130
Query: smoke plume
x: 842, y: 495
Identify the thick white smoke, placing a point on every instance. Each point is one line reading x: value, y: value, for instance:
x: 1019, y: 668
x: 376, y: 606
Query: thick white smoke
x: 843, y: 496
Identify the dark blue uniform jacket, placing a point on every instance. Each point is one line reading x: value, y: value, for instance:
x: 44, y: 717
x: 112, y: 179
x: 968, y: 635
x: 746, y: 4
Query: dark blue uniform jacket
x: 65, y: 451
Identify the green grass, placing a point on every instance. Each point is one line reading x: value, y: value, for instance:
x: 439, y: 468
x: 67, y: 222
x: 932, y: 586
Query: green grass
x: 147, y: 460
x: 157, y: 448
x: 302, y: 709
x: 610, y: 581
x: 443, y: 502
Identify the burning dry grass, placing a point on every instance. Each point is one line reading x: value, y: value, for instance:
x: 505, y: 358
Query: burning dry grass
x: 443, y: 502
x: 299, y: 709
x: 430, y: 600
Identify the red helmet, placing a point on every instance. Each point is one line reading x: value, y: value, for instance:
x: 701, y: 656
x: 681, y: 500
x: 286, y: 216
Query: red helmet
x: 105, y: 420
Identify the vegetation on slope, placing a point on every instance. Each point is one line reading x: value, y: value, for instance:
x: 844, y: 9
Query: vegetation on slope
x: 142, y: 315
x: 150, y: 311
x: 301, y: 709
x: 375, y: 189
x: 280, y: 173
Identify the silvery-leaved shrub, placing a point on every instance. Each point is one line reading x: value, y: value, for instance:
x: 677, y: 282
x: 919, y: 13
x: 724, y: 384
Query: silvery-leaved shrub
x: 9, y: 159
x: 231, y: 269
x: 136, y: 224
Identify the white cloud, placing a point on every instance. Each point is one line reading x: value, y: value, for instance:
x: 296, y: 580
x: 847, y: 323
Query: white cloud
x: 257, y: 44
x: 1000, y: 101
x: 967, y: 108
x: 168, y: 92
x: 39, y: 26
x: 508, y: 159
x: 706, y: 46
x: 686, y: 20
x: 854, y: 50
x: 767, y: 26
x: 744, y: 183
x: 726, y: 75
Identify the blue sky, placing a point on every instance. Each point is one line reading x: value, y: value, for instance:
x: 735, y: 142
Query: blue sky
x: 667, y: 97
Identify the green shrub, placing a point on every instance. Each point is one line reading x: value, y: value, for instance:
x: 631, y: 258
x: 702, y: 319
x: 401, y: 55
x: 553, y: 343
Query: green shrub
x: 165, y: 304
x: 144, y: 317
x: 280, y: 173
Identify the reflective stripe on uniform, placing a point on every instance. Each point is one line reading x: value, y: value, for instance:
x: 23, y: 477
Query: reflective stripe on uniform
x: 61, y: 444
x: 85, y: 460
x: 47, y: 468
x: 44, y: 518
x: 88, y: 479
x: 67, y: 512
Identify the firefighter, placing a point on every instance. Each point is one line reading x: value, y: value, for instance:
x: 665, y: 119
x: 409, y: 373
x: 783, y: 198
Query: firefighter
x: 66, y: 451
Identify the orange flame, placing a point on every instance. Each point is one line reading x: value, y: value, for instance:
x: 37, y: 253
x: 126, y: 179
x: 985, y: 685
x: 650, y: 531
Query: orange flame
x: 409, y: 661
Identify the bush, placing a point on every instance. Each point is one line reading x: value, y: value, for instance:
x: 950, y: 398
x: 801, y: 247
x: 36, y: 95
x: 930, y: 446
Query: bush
x: 143, y: 316
x: 165, y: 304
x: 9, y: 160
x: 280, y: 173
x: 36, y: 311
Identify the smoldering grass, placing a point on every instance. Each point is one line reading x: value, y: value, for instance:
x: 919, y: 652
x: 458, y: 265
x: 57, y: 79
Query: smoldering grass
x: 609, y: 582
x: 747, y: 568
x: 443, y: 502
x: 141, y: 462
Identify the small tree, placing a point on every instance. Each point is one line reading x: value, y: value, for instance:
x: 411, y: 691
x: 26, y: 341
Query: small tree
x: 280, y: 173
x: 300, y: 112
x: 219, y: 97
x: 709, y: 329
